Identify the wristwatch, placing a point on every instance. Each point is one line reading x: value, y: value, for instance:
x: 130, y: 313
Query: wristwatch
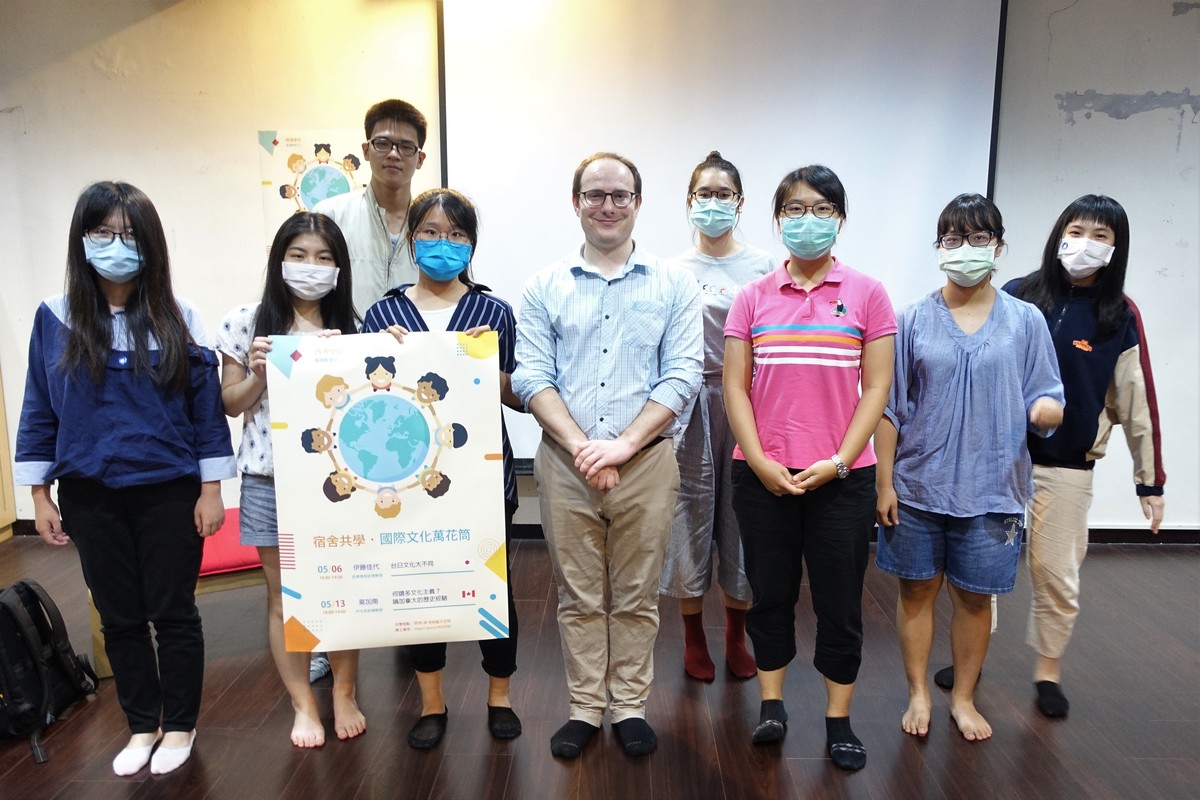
x: 842, y: 470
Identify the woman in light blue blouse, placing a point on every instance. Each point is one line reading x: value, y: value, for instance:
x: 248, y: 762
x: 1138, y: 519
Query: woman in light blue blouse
x: 975, y: 370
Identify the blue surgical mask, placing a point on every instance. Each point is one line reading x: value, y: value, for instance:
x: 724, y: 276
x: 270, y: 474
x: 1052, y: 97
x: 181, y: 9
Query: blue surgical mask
x: 809, y: 237
x: 116, y: 261
x: 967, y: 265
x: 441, y: 259
x: 712, y: 217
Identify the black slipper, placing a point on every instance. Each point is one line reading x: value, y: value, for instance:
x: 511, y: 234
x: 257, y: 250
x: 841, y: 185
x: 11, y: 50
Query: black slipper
x: 503, y: 722
x: 428, y: 731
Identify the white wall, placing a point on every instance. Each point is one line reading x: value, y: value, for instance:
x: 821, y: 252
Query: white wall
x: 170, y: 96
x: 1138, y: 58
x: 894, y: 97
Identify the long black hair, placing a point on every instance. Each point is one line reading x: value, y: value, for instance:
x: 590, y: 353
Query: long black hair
x: 275, y: 313
x: 459, y: 209
x: 150, y: 310
x: 1050, y: 284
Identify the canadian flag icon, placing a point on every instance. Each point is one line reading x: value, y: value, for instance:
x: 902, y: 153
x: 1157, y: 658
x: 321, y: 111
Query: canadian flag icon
x: 470, y: 593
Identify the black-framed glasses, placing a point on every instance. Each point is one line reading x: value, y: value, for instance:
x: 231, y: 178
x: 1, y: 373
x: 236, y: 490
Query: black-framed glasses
x: 953, y: 241
x: 594, y: 198
x: 383, y: 145
x: 721, y: 195
x: 105, y: 236
x: 821, y: 210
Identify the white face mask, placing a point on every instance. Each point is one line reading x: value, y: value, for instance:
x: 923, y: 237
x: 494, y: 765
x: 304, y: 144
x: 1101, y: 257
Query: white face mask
x: 1081, y: 256
x: 309, y: 281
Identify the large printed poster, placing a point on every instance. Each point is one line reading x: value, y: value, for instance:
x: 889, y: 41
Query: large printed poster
x: 389, y: 479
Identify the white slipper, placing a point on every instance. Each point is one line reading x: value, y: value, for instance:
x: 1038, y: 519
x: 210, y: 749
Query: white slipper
x: 131, y: 760
x: 169, y: 759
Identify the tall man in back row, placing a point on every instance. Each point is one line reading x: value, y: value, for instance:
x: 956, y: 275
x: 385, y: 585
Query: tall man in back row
x: 374, y: 219
x: 609, y: 352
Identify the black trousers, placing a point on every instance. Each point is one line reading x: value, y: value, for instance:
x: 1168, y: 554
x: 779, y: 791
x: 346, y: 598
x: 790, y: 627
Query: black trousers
x: 141, y: 557
x: 499, y: 655
x: 829, y: 529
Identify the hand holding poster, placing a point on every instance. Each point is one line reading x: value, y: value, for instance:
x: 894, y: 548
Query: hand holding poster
x: 389, y: 480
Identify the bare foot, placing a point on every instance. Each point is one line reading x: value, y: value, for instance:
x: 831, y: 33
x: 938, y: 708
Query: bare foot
x: 916, y: 717
x: 970, y: 722
x: 307, y: 731
x: 348, y: 721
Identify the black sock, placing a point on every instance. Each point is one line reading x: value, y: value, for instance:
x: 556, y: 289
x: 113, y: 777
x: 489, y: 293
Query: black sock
x: 503, y: 722
x: 844, y: 747
x: 637, y: 737
x: 772, y: 722
x: 1051, y: 700
x: 569, y: 740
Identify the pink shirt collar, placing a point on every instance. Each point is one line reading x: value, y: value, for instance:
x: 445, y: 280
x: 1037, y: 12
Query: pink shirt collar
x: 784, y: 279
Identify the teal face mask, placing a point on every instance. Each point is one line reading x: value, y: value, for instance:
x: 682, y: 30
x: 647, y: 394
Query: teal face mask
x: 712, y: 217
x: 809, y: 237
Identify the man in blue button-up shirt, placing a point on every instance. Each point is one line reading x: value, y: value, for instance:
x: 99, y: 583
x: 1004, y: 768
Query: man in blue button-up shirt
x: 609, y: 352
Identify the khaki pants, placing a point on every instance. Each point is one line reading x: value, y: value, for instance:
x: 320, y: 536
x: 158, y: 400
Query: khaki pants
x: 607, y: 553
x: 1057, y: 544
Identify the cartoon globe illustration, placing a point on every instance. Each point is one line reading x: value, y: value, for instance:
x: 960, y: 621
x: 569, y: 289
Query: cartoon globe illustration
x: 383, y: 438
x: 321, y: 182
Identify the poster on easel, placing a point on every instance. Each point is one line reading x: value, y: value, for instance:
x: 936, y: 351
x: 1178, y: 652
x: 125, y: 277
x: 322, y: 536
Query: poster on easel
x: 390, y: 489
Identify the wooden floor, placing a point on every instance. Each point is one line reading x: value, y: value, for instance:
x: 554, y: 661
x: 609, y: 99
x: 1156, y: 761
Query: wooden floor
x: 1133, y: 678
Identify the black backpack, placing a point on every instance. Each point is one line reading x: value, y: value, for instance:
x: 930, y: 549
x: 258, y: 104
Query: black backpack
x: 40, y: 674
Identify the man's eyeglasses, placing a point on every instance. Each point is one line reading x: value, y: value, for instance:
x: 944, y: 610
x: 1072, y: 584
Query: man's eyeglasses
x: 104, y: 236
x: 594, y: 198
x: 383, y: 145
x: 953, y: 241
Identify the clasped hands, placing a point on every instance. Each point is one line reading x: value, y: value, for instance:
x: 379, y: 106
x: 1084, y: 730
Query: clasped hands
x: 598, y: 459
x: 779, y: 480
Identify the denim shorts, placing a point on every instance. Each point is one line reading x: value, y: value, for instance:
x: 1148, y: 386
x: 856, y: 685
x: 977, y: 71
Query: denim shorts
x: 979, y: 554
x: 260, y: 528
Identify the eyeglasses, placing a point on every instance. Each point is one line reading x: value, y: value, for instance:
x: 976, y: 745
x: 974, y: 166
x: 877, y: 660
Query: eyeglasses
x: 953, y: 241
x: 104, y: 236
x: 383, y: 145
x: 722, y: 195
x: 594, y: 198
x: 432, y: 234
x: 821, y: 210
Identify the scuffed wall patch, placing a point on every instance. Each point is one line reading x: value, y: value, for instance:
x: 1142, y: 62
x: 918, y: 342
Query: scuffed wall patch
x: 1183, y: 8
x: 1123, y: 106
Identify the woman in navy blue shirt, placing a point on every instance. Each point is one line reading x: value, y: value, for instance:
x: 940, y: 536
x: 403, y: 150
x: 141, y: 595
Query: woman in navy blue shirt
x: 443, y: 230
x: 1105, y: 365
x: 123, y: 408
